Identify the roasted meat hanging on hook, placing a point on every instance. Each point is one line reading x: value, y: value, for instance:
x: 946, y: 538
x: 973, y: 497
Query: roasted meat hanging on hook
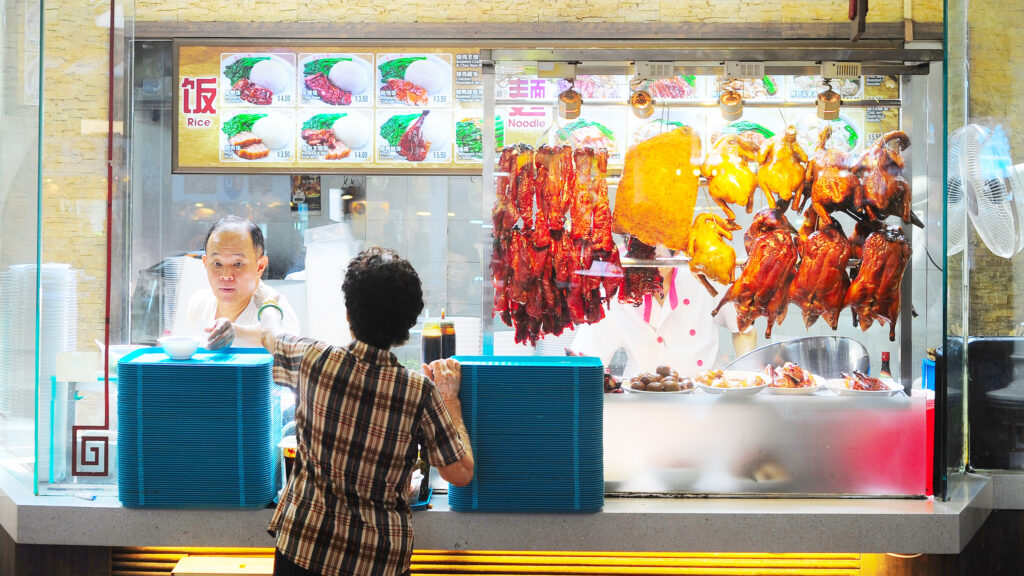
x: 875, y: 292
x: 885, y: 192
x: 763, y: 287
x: 783, y: 165
x: 730, y: 178
x: 821, y: 281
x: 638, y: 281
x: 658, y: 190
x: 833, y: 184
x: 548, y: 274
x: 711, y: 255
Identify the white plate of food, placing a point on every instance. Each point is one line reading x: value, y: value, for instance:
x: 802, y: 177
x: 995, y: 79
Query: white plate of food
x: 656, y: 382
x: 819, y: 383
x: 863, y: 385
x: 632, y: 390
x: 791, y: 379
x: 258, y: 79
x: 735, y: 382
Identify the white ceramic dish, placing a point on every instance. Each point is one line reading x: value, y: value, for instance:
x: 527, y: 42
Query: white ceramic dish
x: 735, y: 390
x: 806, y: 391
x: 178, y: 347
x: 731, y: 391
x: 625, y: 386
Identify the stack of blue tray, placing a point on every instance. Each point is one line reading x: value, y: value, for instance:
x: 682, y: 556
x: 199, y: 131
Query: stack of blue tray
x: 198, y: 433
x: 536, y: 427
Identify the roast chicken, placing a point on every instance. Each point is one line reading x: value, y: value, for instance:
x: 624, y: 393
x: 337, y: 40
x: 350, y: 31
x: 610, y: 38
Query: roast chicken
x: 833, y: 184
x: 783, y: 166
x: 730, y: 179
x: 875, y: 292
x: 711, y: 255
x: 763, y: 287
x: 885, y: 192
x: 821, y: 282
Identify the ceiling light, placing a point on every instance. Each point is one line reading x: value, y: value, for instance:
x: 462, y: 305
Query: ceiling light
x: 570, y: 102
x: 828, y: 105
x: 731, y: 104
x: 642, y: 104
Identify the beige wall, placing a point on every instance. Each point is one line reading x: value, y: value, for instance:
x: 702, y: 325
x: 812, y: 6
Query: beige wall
x: 74, y: 187
x: 740, y: 11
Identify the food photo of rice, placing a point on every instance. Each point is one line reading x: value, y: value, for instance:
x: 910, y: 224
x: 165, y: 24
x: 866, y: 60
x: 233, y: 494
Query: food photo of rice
x: 258, y: 79
x: 414, y: 80
x: 336, y: 79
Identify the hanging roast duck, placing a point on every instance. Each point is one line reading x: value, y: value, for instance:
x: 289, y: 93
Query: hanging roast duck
x: 885, y: 192
x: 834, y: 187
x: 821, y: 282
x: 763, y: 287
x: 875, y: 293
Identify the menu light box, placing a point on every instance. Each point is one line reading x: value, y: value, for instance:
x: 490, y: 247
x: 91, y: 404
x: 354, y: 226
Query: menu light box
x: 244, y: 108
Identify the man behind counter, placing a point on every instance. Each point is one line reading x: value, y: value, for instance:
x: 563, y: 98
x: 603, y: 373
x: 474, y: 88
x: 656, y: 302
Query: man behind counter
x: 235, y: 259
x: 360, y: 418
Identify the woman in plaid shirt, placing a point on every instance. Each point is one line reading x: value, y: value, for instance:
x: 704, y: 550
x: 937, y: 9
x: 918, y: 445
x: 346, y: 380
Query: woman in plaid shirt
x: 360, y: 418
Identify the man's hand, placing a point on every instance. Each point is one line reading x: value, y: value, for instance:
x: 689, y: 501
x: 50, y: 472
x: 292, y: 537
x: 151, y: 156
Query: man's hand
x: 447, y: 377
x: 222, y: 334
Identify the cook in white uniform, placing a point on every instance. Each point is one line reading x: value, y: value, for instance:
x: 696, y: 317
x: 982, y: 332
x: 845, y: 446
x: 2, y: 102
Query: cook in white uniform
x: 235, y: 259
x: 678, y: 331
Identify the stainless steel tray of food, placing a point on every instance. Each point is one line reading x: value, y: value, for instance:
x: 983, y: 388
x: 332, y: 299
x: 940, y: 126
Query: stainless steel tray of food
x: 826, y: 356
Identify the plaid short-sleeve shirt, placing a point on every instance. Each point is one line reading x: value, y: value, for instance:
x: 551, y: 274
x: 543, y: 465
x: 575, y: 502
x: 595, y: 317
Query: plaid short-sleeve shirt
x: 359, y: 418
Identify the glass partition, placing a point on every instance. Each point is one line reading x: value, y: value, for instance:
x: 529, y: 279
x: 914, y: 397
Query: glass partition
x: 21, y: 56
x: 984, y: 185
x: 82, y: 164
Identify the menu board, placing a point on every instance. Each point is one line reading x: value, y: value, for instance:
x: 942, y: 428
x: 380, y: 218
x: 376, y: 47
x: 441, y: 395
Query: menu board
x: 245, y: 108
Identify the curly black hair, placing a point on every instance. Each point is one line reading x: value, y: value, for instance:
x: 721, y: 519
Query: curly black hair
x: 383, y: 295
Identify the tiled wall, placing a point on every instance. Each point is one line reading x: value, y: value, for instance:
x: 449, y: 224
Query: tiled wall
x: 529, y: 11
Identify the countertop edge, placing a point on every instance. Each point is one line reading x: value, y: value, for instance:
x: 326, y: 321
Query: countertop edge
x: 624, y: 524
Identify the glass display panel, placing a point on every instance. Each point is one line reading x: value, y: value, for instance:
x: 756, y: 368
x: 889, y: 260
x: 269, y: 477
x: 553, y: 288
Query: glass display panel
x: 21, y: 58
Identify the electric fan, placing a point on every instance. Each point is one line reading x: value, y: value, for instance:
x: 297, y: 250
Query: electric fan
x: 981, y: 172
x: 955, y: 215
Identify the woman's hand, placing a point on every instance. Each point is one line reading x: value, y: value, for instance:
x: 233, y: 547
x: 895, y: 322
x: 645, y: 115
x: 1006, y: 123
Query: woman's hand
x: 222, y: 334
x: 447, y: 377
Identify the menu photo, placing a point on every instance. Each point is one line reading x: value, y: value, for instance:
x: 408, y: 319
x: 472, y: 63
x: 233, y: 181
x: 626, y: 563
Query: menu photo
x: 252, y: 135
x: 258, y: 79
x: 336, y: 79
x: 414, y: 80
x: 598, y: 127
x: 333, y: 135
x: 411, y: 137
x: 469, y: 134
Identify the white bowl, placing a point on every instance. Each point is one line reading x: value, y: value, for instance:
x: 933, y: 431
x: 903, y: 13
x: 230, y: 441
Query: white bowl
x: 179, y: 347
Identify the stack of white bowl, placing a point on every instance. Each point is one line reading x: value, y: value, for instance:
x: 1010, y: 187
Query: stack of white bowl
x: 58, y: 331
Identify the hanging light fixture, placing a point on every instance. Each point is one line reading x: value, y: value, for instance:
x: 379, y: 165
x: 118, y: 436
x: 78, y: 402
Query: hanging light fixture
x: 640, y: 100
x: 570, y: 102
x: 731, y: 105
x: 828, y: 104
